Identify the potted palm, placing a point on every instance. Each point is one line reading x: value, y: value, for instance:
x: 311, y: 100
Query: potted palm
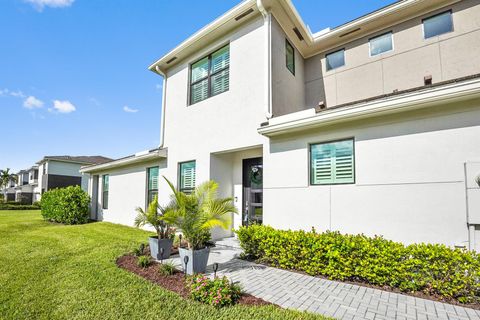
x: 195, y: 214
x: 165, y: 232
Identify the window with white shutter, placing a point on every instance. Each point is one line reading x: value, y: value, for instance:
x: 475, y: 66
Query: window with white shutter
x: 152, y: 184
x: 210, y: 75
x: 187, y: 172
x: 332, y: 162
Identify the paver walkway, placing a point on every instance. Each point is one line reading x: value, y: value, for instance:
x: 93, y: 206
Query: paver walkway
x: 331, y: 298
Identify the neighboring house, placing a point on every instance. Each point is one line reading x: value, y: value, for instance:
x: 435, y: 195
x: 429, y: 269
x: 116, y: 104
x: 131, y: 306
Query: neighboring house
x: 64, y: 171
x: 9, y: 191
x: 26, y: 188
x: 371, y: 127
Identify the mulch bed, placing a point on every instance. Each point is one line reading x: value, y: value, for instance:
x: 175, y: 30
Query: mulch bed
x: 417, y: 294
x: 175, y: 282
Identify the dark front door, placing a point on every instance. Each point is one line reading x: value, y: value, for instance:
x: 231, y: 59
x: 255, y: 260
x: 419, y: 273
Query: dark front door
x: 252, y: 211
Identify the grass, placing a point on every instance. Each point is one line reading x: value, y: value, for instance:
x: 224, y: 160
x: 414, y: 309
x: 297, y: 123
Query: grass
x: 52, y: 271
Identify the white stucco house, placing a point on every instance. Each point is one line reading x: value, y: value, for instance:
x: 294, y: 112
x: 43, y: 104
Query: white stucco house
x: 369, y: 127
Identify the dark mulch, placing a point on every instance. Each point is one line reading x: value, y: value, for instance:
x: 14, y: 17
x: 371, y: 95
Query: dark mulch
x: 417, y: 294
x: 175, y: 282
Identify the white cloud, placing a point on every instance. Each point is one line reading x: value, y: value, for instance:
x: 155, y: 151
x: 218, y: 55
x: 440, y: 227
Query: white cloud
x: 31, y: 103
x: 159, y: 86
x: 3, y: 92
x: 62, y: 106
x: 130, y: 110
x: 17, y: 94
x: 40, y: 4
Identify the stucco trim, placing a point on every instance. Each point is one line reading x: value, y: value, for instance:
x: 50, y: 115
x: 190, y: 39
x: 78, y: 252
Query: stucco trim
x: 414, y: 100
x: 134, y: 159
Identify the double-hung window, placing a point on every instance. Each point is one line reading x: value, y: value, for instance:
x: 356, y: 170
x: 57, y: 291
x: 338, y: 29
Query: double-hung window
x: 210, y: 75
x: 105, y: 186
x: 186, y: 176
x: 290, y: 56
x: 380, y: 44
x: 152, y: 188
x: 438, y: 24
x: 332, y: 162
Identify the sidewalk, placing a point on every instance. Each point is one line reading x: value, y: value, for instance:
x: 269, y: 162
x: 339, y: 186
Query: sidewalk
x: 330, y: 298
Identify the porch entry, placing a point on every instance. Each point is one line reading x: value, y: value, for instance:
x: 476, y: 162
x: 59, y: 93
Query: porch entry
x: 252, y: 207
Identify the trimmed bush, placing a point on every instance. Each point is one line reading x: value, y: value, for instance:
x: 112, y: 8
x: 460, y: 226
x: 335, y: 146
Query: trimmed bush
x: 68, y: 205
x: 218, y: 292
x: 430, y: 268
x: 18, y: 207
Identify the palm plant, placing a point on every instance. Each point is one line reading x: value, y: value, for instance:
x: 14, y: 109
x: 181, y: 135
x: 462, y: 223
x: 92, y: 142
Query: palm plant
x: 196, y: 213
x: 153, y: 217
x: 6, y: 177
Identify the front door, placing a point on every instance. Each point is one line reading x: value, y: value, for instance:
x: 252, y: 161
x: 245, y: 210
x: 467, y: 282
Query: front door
x: 252, y: 209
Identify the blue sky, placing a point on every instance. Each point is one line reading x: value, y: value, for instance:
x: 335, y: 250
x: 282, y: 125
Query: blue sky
x: 73, y: 73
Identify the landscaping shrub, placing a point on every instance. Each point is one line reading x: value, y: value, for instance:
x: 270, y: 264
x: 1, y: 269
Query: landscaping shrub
x: 139, y: 251
x: 218, y: 292
x: 143, y: 261
x: 430, y: 268
x: 167, y: 268
x: 18, y: 207
x: 68, y: 205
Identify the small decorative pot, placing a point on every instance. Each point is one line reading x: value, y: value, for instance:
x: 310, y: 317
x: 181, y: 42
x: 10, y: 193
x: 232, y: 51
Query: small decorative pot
x: 197, y: 260
x: 155, y: 246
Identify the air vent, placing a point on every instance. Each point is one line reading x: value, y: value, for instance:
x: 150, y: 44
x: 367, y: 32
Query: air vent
x: 171, y: 60
x: 299, y: 35
x: 243, y: 15
x: 349, y: 32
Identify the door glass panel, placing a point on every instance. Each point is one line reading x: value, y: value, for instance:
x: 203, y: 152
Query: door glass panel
x: 256, y: 176
x: 252, y: 191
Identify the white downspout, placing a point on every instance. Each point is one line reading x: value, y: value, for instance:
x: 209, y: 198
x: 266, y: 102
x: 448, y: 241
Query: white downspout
x: 267, y: 17
x: 164, y: 99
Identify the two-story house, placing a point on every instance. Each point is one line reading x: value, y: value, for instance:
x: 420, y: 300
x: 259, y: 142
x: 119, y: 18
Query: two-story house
x: 64, y: 171
x: 26, y: 187
x: 370, y: 127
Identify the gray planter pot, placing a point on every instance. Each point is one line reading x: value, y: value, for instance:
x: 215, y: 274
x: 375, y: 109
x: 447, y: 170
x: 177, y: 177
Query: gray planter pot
x: 197, y: 260
x: 156, y: 244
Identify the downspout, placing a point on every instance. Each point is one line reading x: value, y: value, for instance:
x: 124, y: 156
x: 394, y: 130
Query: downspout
x: 164, y: 99
x: 267, y: 18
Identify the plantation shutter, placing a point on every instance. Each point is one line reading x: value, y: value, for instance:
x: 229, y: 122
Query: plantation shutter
x: 153, y: 178
x: 199, y: 88
x: 332, y: 163
x: 187, y: 176
x: 220, y: 71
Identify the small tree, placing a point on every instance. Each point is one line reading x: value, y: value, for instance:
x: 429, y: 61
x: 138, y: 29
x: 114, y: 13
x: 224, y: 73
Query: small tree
x: 5, y: 177
x: 153, y: 217
x: 196, y: 213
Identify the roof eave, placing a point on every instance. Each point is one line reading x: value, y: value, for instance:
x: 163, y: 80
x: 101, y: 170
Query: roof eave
x: 446, y: 94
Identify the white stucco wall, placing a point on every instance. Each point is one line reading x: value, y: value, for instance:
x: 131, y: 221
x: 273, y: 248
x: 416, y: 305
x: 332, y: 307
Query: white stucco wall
x: 410, y: 177
x: 127, y: 191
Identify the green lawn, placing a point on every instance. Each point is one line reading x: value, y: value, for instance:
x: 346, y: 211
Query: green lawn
x: 51, y: 271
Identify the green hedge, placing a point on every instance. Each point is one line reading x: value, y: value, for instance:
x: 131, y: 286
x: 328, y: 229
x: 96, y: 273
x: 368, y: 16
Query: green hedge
x: 430, y: 268
x: 18, y: 207
x: 68, y: 205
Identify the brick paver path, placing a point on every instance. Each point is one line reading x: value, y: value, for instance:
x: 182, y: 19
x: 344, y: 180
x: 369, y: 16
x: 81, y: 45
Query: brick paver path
x: 331, y: 298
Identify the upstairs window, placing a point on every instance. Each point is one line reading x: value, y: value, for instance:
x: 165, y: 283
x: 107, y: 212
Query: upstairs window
x: 152, y: 188
x: 187, y: 173
x: 290, y: 56
x: 335, y: 59
x: 210, y: 75
x: 105, y: 186
x: 332, y: 163
x: 438, y: 24
x: 381, y: 44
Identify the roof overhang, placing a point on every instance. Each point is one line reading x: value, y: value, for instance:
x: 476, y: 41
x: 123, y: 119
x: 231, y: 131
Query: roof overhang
x: 309, y: 119
x: 289, y: 18
x: 140, y: 157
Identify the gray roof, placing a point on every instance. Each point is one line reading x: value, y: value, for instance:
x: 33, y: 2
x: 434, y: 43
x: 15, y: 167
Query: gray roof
x: 78, y: 159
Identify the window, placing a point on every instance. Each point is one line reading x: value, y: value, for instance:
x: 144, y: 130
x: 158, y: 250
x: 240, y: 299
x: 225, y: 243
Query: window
x: 290, y: 56
x: 105, y: 191
x: 437, y: 25
x: 332, y: 163
x: 44, y: 169
x: 187, y: 176
x: 152, y: 188
x: 210, y: 75
x: 335, y: 59
x: 381, y: 44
